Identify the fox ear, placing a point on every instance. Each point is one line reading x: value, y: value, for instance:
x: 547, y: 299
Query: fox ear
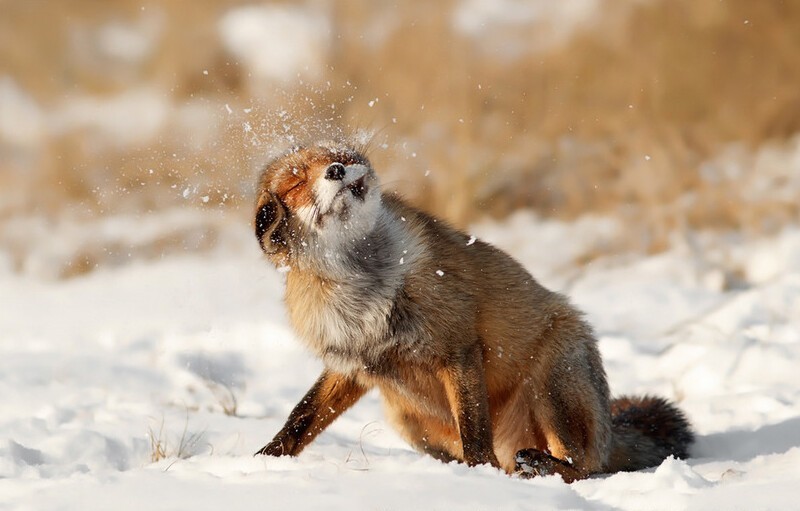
x: 270, y: 223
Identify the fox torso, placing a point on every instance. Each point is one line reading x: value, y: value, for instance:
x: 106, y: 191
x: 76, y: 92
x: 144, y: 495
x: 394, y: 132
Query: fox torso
x: 475, y: 360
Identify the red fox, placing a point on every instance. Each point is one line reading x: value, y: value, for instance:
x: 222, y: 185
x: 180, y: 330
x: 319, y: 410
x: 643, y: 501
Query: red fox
x: 475, y: 361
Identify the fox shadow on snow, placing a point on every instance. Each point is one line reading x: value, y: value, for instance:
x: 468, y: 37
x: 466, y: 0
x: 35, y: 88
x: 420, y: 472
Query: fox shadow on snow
x: 227, y: 369
x: 743, y: 445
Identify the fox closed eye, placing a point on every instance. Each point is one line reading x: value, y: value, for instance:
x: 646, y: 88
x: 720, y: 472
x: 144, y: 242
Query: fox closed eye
x: 299, y: 183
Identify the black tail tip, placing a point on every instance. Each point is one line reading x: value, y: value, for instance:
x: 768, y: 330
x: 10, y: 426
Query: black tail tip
x: 655, y: 417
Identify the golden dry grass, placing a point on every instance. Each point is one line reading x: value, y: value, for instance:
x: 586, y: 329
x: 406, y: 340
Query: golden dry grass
x: 616, y: 121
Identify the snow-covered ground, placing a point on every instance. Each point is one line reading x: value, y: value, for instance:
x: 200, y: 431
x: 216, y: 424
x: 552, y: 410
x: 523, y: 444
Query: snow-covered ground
x: 149, y: 385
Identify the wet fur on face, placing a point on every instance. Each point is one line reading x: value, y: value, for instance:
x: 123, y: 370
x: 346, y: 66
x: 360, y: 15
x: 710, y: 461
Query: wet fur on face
x: 318, y: 218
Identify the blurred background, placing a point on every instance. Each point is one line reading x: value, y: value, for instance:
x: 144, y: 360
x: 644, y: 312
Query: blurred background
x: 130, y: 129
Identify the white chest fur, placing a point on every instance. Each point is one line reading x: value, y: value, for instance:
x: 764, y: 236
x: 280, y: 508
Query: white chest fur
x: 341, y: 302
x: 345, y: 324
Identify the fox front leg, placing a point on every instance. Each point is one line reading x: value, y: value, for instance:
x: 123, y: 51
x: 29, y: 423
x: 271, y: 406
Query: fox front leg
x: 328, y: 398
x: 465, y: 384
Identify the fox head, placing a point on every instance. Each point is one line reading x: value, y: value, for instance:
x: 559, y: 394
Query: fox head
x: 315, y: 200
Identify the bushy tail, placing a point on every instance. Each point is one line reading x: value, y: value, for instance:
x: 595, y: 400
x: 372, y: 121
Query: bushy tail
x: 646, y: 430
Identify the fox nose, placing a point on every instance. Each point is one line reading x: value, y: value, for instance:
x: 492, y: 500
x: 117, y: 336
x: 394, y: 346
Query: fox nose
x: 335, y: 172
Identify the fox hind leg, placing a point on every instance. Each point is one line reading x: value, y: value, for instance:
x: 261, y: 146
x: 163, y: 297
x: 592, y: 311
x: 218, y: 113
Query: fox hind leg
x: 575, y: 420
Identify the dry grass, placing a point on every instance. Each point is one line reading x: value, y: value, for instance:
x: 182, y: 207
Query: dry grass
x: 188, y: 445
x: 617, y: 121
x: 225, y: 396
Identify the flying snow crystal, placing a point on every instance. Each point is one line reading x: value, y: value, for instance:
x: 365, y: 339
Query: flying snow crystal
x: 403, y: 218
x: 249, y: 130
x: 205, y: 198
x: 440, y: 273
x: 363, y: 136
x: 372, y: 103
x: 186, y: 192
x: 205, y: 72
x: 471, y: 240
x: 402, y: 260
x: 647, y: 157
x: 427, y: 173
x: 228, y: 108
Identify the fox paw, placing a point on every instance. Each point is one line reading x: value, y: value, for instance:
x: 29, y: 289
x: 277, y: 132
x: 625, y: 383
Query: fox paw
x: 274, y: 448
x: 533, y: 463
